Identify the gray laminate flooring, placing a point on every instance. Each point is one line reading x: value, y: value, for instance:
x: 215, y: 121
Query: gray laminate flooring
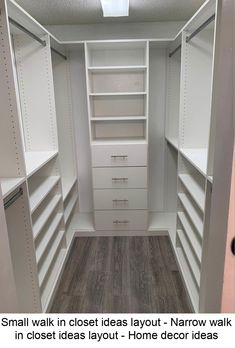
x: 121, y: 275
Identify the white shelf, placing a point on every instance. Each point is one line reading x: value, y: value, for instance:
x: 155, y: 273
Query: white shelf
x: 69, y: 208
x: 40, y: 250
x: 197, y: 157
x: 36, y: 160
x: 118, y: 141
x: 118, y: 118
x: 9, y: 185
x: 173, y: 142
x: 67, y: 185
x: 188, y: 278
x: 195, y: 244
x: 44, y: 216
x: 40, y: 188
x: 195, y: 190
x: 190, y: 257
x: 192, y: 212
x: 210, y: 178
x: 49, y: 287
x: 123, y: 68
x: 116, y: 94
x: 49, y: 258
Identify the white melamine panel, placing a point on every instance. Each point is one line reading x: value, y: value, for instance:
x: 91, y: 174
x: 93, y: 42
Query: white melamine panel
x: 79, y: 100
x: 119, y: 130
x: 197, y: 157
x: 116, y: 53
x: 120, y: 199
x: 173, y: 96
x: 119, y: 155
x: 120, y: 105
x: 70, y: 205
x: 197, y: 87
x: 194, y: 188
x: 120, y: 177
x: 120, y: 220
x: 157, y: 99
x: 64, y: 115
x: 11, y: 150
x: 23, y: 254
x: 116, y: 81
x: 35, y: 83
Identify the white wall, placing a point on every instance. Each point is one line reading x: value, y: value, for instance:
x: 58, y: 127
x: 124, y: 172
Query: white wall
x: 111, y: 31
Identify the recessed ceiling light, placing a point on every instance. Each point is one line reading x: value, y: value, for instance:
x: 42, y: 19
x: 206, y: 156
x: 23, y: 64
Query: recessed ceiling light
x: 115, y: 8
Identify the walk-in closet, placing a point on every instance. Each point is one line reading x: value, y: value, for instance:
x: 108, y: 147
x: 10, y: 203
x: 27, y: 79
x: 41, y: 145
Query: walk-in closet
x: 113, y: 139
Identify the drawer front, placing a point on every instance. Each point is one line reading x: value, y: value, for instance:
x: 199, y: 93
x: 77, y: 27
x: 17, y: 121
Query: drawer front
x: 119, y: 220
x: 120, y: 199
x: 119, y: 177
x: 119, y: 155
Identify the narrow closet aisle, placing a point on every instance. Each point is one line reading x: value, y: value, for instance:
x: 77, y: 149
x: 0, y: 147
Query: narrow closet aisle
x: 114, y: 179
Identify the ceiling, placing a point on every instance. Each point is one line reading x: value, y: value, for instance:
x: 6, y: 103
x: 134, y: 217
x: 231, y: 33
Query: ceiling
x: 61, y: 12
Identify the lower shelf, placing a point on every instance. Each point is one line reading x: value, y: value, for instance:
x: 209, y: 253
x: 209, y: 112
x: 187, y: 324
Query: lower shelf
x: 8, y: 185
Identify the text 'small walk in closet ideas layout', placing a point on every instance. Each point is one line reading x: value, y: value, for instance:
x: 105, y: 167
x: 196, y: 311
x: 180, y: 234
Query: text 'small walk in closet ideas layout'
x: 112, y: 132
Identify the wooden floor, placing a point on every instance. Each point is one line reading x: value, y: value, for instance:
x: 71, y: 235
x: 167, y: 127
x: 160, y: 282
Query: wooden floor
x: 121, y: 274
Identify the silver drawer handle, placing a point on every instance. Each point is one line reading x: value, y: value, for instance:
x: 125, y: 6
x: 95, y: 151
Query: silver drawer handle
x: 120, y: 200
x: 119, y: 179
x: 120, y: 222
x: 119, y: 156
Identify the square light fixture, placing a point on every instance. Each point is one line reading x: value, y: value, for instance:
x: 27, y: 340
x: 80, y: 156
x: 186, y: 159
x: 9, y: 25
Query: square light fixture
x: 115, y: 8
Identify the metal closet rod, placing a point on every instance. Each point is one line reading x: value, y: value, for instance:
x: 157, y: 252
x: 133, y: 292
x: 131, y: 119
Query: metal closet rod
x: 35, y: 37
x: 205, y: 24
x: 174, y: 51
x: 13, y: 198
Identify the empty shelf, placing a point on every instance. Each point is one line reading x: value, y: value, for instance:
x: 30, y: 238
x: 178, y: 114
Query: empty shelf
x: 195, y: 244
x: 192, y: 212
x: 124, y: 68
x: 36, y: 160
x: 49, y: 258
x: 67, y: 185
x: 45, y: 215
x: 9, y: 185
x: 194, y: 188
x: 69, y: 207
x: 40, y: 188
x: 40, y: 250
x: 197, y: 157
x: 190, y: 257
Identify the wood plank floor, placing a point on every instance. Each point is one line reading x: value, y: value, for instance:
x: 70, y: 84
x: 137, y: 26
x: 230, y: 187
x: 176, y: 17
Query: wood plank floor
x: 121, y: 275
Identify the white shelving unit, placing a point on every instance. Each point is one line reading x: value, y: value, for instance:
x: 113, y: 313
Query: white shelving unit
x: 151, y: 135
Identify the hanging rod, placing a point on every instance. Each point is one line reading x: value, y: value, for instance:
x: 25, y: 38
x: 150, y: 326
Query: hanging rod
x: 59, y: 53
x: 205, y: 24
x: 13, y: 198
x: 19, y: 26
x: 174, y: 51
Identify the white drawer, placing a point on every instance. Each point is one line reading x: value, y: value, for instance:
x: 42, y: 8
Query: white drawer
x: 119, y: 155
x: 121, y: 220
x: 130, y: 177
x: 120, y: 199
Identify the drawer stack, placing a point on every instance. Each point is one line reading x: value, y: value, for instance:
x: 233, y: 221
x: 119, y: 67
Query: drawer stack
x: 120, y: 186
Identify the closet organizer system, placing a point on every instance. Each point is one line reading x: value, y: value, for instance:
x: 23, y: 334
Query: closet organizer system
x: 148, y: 175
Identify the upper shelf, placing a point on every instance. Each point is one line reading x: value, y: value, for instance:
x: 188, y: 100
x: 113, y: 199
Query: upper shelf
x: 118, y: 68
x: 36, y: 160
